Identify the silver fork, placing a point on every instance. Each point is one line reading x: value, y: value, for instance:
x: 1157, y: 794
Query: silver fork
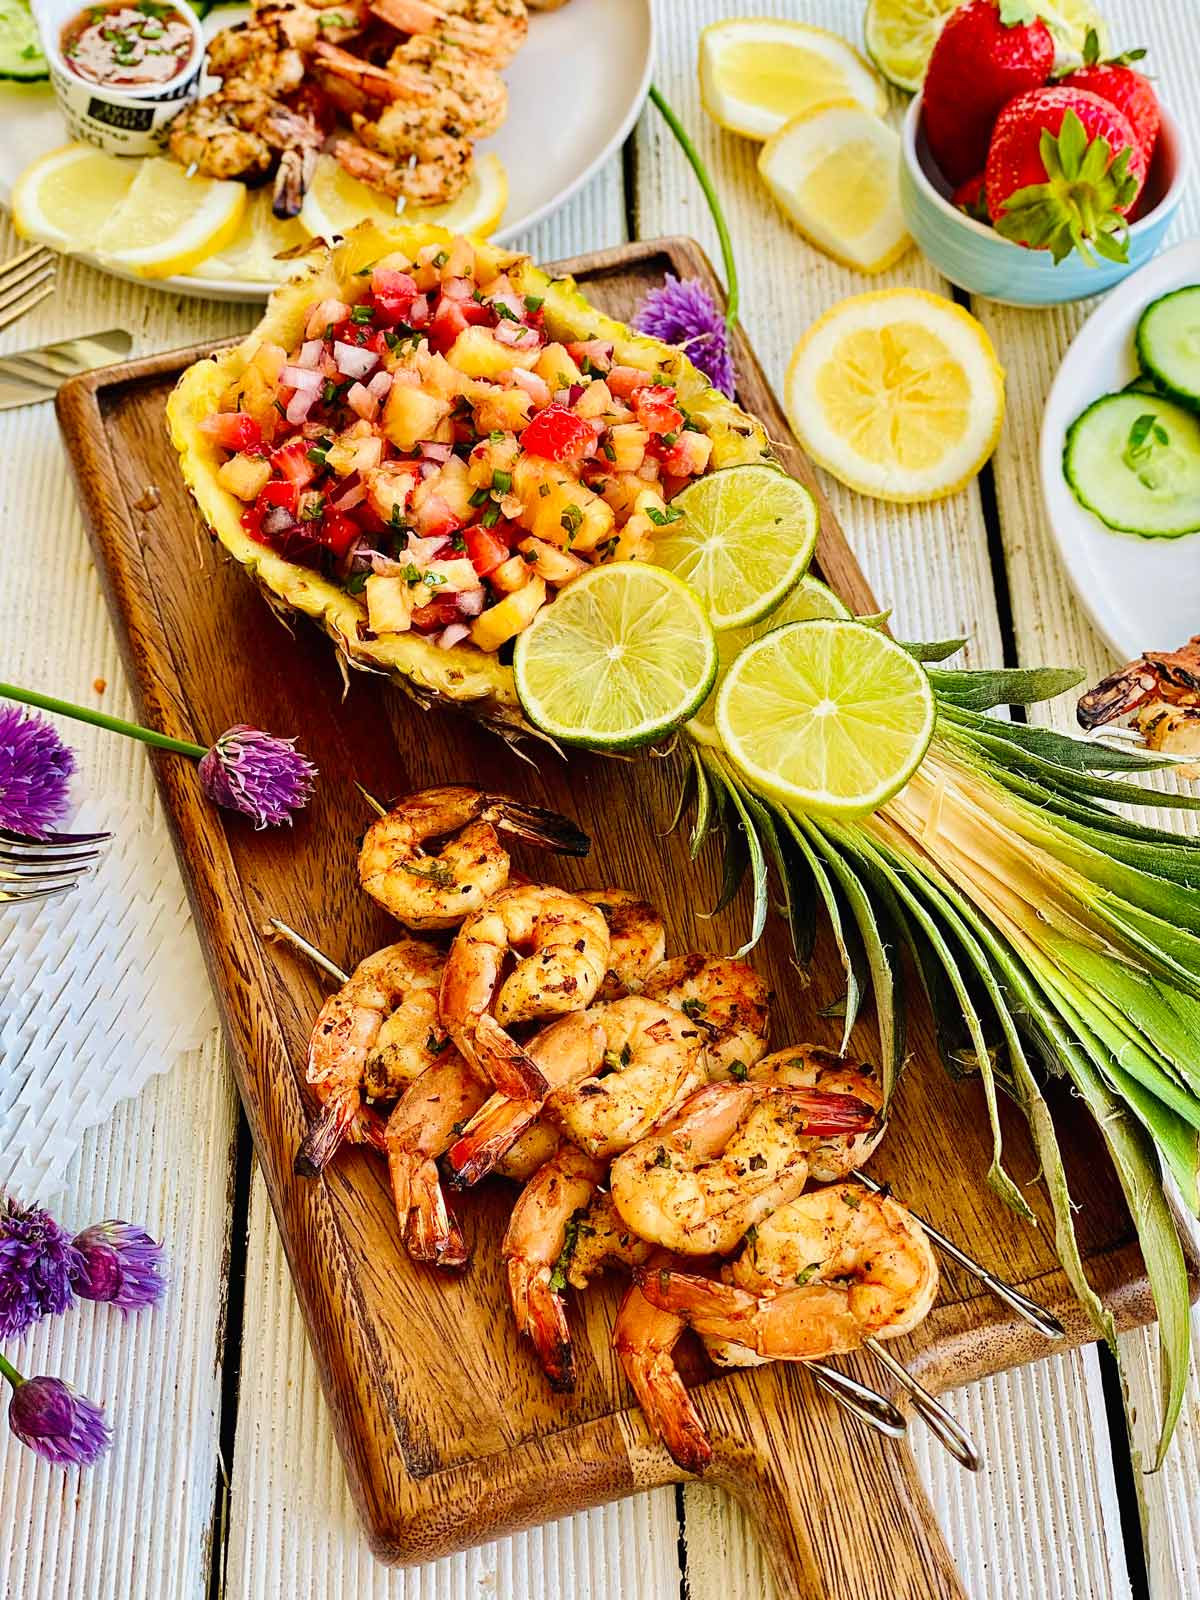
x: 27, y: 376
x: 25, y: 281
x: 39, y: 869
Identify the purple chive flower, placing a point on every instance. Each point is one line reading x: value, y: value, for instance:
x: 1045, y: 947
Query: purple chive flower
x: 55, y: 1420
x: 685, y: 314
x: 34, y: 768
x: 256, y: 773
x: 38, y: 1263
x: 118, y: 1263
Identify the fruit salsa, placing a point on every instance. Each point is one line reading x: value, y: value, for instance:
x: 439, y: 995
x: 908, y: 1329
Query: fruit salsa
x: 428, y: 447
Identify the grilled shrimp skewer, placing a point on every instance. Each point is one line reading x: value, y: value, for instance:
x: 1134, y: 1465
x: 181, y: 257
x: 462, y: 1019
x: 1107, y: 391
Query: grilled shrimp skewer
x: 492, y: 30
x: 726, y: 999
x: 1162, y: 688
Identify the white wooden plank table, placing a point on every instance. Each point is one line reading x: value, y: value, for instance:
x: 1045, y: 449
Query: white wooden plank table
x: 225, y: 1477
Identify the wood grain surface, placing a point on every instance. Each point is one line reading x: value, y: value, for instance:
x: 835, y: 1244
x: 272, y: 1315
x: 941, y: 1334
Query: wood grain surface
x: 449, y: 1433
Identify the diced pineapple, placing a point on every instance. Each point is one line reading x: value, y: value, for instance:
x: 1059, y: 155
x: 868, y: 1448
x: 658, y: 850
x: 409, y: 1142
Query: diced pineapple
x: 350, y: 454
x: 244, y: 475
x: 411, y: 414
x: 648, y: 501
x: 595, y: 400
x: 556, y: 367
x: 389, y: 603
x: 511, y: 575
x: 688, y: 457
x: 457, y: 575
x: 460, y: 259
x: 503, y: 409
x: 556, y: 510
x: 508, y: 617
x: 479, y: 354
x: 555, y: 565
x: 597, y: 524
x: 254, y: 392
x: 627, y: 441
x: 390, y: 488
x: 490, y: 456
x: 621, y: 490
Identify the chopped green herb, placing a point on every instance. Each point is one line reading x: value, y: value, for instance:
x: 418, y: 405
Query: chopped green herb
x: 480, y: 497
x: 491, y: 516
x: 571, y: 522
x: 543, y: 489
x: 662, y: 518
x: 609, y: 449
x: 739, y: 1071
x: 502, y: 482
x: 534, y: 302
x: 661, y: 1158
x: 497, y: 436
x: 441, y: 258
x: 504, y: 312
x: 362, y: 313
x: 356, y: 582
x: 805, y: 1273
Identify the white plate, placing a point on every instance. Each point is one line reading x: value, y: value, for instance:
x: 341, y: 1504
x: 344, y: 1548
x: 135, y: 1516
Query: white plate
x: 1141, y: 594
x: 575, y: 90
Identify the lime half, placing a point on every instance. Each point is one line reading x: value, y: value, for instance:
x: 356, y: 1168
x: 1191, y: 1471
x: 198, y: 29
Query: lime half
x: 741, y: 537
x: 810, y: 598
x: 625, y: 653
x: 826, y: 715
x: 900, y: 34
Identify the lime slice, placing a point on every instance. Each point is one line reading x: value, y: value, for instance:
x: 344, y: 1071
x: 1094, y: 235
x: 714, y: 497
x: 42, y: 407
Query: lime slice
x: 742, y: 538
x: 900, y: 36
x: 810, y: 598
x: 624, y: 654
x: 827, y: 716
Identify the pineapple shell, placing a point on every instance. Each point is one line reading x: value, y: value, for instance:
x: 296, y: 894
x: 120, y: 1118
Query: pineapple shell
x: 463, y: 675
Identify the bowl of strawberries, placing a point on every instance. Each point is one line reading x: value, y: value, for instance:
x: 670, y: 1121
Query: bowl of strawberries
x: 1031, y: 179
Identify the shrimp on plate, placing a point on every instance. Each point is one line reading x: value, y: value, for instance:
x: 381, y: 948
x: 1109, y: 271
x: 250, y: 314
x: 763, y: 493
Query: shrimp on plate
x: 347, y: 1034
x: 726, y: 998
x: 728, y: 1156
x: 637, y: 940
x: 816, y: 1278
x: 435, y: 889
x: 1162, y: 689
x: 492, y: 30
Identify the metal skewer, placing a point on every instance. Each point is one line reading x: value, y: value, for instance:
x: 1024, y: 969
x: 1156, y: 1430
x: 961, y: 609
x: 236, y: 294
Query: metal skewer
x: 1037, y: 1316
x: 869, y: 1406
x: 937, y: 1418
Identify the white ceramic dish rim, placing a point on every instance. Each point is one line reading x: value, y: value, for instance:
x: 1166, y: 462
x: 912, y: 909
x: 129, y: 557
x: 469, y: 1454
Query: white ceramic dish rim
x: 237, y: 289
x: 908, y: 146
x: 1066, y: 399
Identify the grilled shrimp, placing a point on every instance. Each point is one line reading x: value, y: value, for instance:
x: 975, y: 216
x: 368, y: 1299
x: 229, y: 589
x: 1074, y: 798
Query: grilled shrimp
x: 417, y: 1132
x: 819, y: 1276
x: 650, y: 1058
x: 438, y: 889
x: 644, y: 1337
x: 452, y: 91
x: 1162, y: 689
x: 728, y: 1000
x: 221, y: 136
x: 492, y: 30
x: 345, y: 1035
x: 267, y: 51
x: 561, y: 948
x: 728, y: 1156
x: 831, y: 1157
x: 637, y: 940
x: 430, y: 169
x: 534, y: 1241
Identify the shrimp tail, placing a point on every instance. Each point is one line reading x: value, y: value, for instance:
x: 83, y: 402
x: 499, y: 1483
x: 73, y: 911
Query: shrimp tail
x: 716, y: 1310
x: 535, y: 825
x: 487, y: 1138
x: 512, y: 1069
x: 541, y: 1314
x: 332, y: 1124
x: 1120, y: 692
x: 644, y: 1338
x: 431, y: 1231
x: 828, y: 1113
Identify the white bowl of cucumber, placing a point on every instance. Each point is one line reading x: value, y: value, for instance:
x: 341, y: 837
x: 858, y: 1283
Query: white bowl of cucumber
x: 1120, y: 458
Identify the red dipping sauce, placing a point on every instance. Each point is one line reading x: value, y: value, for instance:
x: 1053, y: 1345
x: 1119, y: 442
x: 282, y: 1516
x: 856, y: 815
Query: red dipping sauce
x: 128, y: 44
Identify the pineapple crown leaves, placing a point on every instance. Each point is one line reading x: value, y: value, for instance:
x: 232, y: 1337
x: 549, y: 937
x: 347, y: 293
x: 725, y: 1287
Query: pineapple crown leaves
x: 1079, y: 205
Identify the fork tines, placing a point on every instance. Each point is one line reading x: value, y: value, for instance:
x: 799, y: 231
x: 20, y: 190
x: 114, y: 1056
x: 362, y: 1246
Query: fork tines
x: 25, y: 281
x: 37, y: 869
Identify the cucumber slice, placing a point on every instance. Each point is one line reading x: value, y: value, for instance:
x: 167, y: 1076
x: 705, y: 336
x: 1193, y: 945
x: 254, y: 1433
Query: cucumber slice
x: 1168, y: 344
x: 1134, y: 459
x: 20, y: 45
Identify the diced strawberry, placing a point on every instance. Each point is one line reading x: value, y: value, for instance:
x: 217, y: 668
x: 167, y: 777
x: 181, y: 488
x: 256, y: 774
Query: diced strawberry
x: 292, y: 461
x: 279, y: 492
x: 232, y: 430
x: 394, y: 294
x: 486, y: 548
x: 688, y: 456
x: 441, y: 610
x: 557, y: 434
x: 337, y: 532
x: 655, y: 408
x: 434, y: 519
x: 622, y: 381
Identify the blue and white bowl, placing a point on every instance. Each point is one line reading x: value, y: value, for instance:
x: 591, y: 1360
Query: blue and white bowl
x: 978, y: 259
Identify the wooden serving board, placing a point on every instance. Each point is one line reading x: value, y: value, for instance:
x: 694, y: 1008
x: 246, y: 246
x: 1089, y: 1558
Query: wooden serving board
x: 449, y: 1432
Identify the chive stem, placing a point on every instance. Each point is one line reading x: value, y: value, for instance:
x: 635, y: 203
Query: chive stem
x: 695, y: 161
x: 100, y: 719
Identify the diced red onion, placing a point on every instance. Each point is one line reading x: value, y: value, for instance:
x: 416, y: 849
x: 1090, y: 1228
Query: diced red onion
x: 458, y: 288
x: 429, y: 469
x: 516, y: 336
x: 362, y: 402
x: 300, y: 405
x: 301, y: 378
x: 509, y: 302
x: 380, y: 384
x: 422, y: 551
x: 435, y: 450
x: 562, y: 397
x: 574, y: 393
x: 310, y: 354
x: 418, y: 312
x: 350, y: 492
x: 470, y: 601
x: 454, y: 634
x: 352, y: 360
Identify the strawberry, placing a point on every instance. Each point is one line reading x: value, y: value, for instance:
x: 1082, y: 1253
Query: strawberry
x: 1117, y: 82
x: 1063, y: 170
x: 557, y: 434
x: 970, y: 198
x: 985, y: 55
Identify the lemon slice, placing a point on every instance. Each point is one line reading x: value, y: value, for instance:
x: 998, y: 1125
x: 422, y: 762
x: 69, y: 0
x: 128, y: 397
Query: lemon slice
x: 335, y: 202
x: 251, y: 256
x: 827, y: 716
x: 810, y: 598
x: 64, y: 198
x: 898, y: 393
x: 168, y: 222
x: 624, y: 654
x: 757, y: 72
x: 900, y: 34
x: 834, y: 170
x: 740, y: 538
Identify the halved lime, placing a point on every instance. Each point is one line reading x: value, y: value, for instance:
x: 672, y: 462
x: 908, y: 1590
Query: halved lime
x: 826, y: 715
x: 810, y: 598
x: 900, y: 36
x: 741, y: 537
x: 625, y: 653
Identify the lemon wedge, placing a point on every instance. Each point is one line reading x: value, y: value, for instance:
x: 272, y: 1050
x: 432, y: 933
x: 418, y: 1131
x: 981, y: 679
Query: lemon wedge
x: 335, y: 202
x: 168, y: 223
x: 898, y: 393
x: 64, y: 198
x: 252, y: 255
x: 758, y: 72
x: 834, y: 171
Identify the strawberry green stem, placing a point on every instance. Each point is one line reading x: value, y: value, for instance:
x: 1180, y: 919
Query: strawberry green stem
x: 696, y: 162
x: 99, y: 719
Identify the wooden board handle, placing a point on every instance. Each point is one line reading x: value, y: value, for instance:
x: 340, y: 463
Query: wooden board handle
x: 839, y: 1510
